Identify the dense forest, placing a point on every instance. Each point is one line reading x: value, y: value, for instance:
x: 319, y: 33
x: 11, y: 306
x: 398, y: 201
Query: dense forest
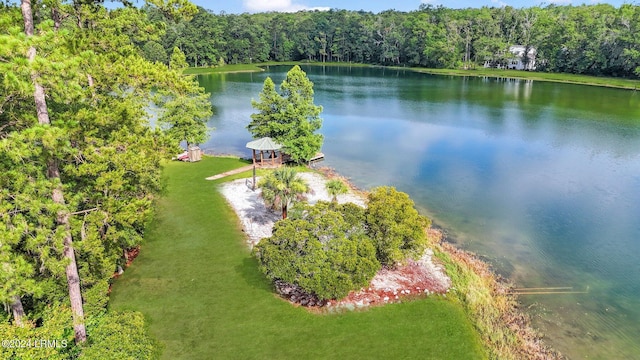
x: 589, y: 39
x: 80, y: 170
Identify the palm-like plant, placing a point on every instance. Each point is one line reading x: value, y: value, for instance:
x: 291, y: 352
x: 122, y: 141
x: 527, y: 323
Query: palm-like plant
x: 281, y: 187
x: 336, y: 187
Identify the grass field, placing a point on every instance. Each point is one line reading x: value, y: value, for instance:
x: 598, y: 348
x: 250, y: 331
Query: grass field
x: 204, y: 298
x: 538, y: 76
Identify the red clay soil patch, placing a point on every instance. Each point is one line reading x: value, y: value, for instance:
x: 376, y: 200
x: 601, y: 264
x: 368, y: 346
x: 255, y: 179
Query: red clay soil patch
x: 416, y: 278
x: 129, y: 255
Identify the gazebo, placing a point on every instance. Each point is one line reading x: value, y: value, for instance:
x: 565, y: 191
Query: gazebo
x: 266, y: 144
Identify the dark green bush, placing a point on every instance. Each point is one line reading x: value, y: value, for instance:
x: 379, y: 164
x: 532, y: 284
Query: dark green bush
x: 395, y: 226
x: 321, y: 250
x: 53, y: 340
x: 120, y: 335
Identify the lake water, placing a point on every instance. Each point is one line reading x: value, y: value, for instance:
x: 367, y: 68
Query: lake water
x: 540, y: 179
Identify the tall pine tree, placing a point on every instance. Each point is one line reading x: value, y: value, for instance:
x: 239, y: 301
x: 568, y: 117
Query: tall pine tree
x: 81, y: 165
x: 289, y: 117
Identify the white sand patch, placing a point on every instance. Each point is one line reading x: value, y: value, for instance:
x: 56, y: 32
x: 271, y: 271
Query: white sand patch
x: 317, y: 183
x: 257, y: 220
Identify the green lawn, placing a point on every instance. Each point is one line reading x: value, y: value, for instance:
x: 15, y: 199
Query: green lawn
x: 538, y: 76
x: 204, y: 298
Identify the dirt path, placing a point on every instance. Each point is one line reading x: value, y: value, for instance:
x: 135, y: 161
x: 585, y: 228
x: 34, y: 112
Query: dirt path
x: 232, y: 172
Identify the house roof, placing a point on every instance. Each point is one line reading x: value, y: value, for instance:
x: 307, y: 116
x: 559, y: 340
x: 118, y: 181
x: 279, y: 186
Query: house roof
x: 519, y: 50
x: 266, y: 143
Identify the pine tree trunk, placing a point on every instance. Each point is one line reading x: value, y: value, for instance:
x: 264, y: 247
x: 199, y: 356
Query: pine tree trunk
x: 71, y: 270
x: 57, y: 18
x: 53, y: 173
x: 18, y: 310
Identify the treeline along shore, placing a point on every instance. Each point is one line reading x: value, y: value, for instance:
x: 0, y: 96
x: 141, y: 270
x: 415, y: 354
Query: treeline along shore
x: 599, y: 40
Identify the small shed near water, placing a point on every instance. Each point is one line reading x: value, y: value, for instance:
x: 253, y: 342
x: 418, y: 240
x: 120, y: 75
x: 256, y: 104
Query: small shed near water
x: 268, y: 146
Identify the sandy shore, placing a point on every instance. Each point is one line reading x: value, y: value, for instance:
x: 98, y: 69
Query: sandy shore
x: 418, y: 277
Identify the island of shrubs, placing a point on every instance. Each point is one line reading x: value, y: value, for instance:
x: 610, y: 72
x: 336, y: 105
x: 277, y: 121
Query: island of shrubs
x: 326, y: 250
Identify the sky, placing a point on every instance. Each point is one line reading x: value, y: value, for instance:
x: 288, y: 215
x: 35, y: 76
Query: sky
x: 252, y: 6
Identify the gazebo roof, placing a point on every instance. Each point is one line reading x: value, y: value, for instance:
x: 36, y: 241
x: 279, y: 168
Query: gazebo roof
x: 266, y: 143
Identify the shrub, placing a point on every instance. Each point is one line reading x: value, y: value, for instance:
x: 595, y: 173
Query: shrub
x: 320, y: 251
x: 395, y: 226
x: 51, y: 340
x: 120, y: 335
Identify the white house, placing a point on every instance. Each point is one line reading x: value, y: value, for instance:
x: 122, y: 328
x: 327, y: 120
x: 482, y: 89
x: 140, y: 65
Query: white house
x: 522, y: 61
x: 518, y: 60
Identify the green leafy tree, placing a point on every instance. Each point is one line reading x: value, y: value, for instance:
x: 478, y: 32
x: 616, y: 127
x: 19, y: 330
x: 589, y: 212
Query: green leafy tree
x: 55, y: 324
x: 289, y: 117
x: 16, y: 277
x: 281, y: 187
x: 80, y: 165
x: 593, y: 39
x: 154, y: 52
x: 267, y: 122
x: 52, y: 144
x: 175, y: 9
x: 178, y: 60
x: 185, y: 115
x: 395, y: 226
x: 320, y: 251
x: 336, y: 187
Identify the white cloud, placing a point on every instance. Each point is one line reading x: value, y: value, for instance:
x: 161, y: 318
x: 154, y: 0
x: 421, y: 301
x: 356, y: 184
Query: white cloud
x: 277, y: 5
x: 499, y: 3
x: 560, y: 1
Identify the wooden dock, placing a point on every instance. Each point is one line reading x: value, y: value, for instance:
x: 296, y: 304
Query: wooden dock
x: 317, y: 157
x: 548, y: 291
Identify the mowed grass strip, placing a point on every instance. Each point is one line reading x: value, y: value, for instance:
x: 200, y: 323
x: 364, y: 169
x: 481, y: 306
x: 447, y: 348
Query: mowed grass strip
x: 579, y: 79
x: 204, y: 297
x: 223, y: 69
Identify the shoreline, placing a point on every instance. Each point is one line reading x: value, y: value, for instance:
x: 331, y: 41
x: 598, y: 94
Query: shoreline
x: 563, y: 78
x: 226, y: 69
x: 499, y: 319
x: 529, y: 343
x: 487, y: 298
